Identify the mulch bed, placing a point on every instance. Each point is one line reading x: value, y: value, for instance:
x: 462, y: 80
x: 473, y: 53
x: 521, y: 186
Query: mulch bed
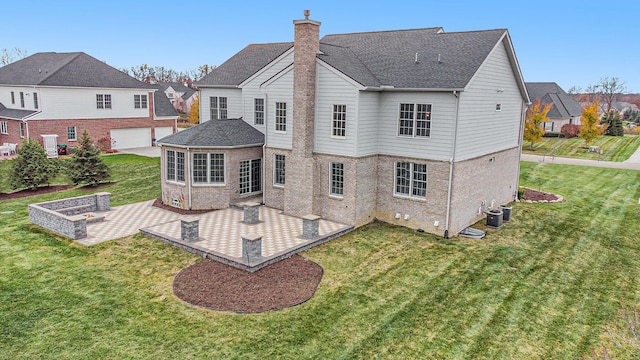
x: 533, y: 195
x: 159, y: 204
x: 216, y: 286
x: 39, y: 191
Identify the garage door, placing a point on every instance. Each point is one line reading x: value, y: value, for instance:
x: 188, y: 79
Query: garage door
x: 130, y: 138
x: 163, y: 131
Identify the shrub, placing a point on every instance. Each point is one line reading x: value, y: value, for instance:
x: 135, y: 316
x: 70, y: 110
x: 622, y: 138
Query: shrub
x: 104, y: 144
x: 570, y: 130
x: 86, y: 165
x: 553, y: 134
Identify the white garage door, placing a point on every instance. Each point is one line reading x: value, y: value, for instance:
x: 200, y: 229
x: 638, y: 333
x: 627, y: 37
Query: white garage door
x: 163, y: 131
x: 130, y: 138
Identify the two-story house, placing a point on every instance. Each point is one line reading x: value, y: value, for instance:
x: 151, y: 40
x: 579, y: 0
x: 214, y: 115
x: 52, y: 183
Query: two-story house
x: 181, y: 97
x: 419, y: 127
x: 65, y: 93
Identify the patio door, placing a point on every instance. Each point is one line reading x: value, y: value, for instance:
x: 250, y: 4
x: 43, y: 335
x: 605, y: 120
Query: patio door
x: 250, y: 176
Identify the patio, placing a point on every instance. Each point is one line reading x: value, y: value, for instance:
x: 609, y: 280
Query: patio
x: 220, y: 232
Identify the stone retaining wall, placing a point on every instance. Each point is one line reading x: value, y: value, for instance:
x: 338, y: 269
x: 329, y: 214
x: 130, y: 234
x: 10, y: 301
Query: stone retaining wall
x: 63, y: 216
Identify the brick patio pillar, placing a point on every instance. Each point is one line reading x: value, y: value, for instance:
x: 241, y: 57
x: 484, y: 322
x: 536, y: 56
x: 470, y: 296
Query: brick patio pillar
x: 103, y: 201
x: 251, y: 247
x: 251, y: 213
x: 190, y: 229
x: 310, y: 225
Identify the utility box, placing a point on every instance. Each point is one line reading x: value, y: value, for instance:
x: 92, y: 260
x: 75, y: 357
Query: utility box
x: 506, y: 212
x: 494, y: 219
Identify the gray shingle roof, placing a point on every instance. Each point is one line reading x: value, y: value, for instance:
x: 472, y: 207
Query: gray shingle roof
x: 75, y: 69
x: 216, y: 133
x: 564, y: 105
x: 244, y: 64
x: 162, y: 105
x: 14, y: 114
x: 380, y: 58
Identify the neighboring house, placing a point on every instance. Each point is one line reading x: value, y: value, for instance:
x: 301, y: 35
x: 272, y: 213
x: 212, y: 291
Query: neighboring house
x: 420, y: 128
x: 65, y: 93
x: 565, y: 109
x: 181, y: 97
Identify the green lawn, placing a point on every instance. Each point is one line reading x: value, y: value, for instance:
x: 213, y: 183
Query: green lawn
x: 545, y: 286
x: 614, y: 148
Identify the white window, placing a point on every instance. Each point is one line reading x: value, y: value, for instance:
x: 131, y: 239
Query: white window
x: 279, y: 170
x: 22, y: 129
x: 208, y: 168
x: 258, y: 118
x: 71, y: 133
x: 414, y: 120
x: 411, y: 180
x: 281, y: 116
x: 498, y: 107
x: 13, y: 97
x: 218, y: 107
x: 4, y: 127
x: 140, y: 101
x: 35, y: 100
x: 21, y: 99
x: 103, y: 101
x: 339, y: 123
x: 175, y: 166
x: 336, y: 186
x: 250, y: 178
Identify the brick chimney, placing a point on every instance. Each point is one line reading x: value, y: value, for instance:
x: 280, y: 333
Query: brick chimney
x: 302, y: 189
x: 306, y: 45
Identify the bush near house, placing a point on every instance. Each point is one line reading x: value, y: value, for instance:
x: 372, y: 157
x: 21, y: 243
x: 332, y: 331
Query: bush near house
x: 570, y: 130
x: 32, y: 168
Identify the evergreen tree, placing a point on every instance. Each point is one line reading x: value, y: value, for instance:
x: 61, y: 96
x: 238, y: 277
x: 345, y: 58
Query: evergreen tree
x: 86, y: 165
x: 614, y: 124
x: 32, y: 168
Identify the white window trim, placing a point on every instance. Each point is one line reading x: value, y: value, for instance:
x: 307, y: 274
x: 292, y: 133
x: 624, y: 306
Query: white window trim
x: 275, y: 117
x: 415, y: 121
x: 209, y: 183
x: 175, y: 170
x: 75, y: 132
x: 333, y: 128
x: 275, y: 170
x: 336, y: 196
x: 140, y: 103
x: 4, y: 127
x: 250, y: 177
x: 264, y: 111
x: 22, y: 129
x: 410, y: 196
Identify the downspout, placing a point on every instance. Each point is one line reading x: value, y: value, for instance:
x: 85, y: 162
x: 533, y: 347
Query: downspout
x: 521, y: 141
x: 451, y: 160
x: 188, y: 180
x: 264, y: 147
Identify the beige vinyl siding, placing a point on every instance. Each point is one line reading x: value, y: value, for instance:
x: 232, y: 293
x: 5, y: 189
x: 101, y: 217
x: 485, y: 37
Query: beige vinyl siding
x: 279, y: 90
x: 368, y: 122
x: 482, y: 129
x: 234, y: 102
x: 436, y: 147
x: 255, y: 88
x: 334, y: 90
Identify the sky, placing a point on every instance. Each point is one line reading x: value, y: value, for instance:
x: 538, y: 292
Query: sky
x: 572, y: 43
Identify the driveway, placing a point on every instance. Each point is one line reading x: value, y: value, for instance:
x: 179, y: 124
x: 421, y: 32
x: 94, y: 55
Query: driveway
x: 149, y: 151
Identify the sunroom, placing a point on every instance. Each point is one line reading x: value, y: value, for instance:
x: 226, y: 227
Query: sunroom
x: 212, y: 165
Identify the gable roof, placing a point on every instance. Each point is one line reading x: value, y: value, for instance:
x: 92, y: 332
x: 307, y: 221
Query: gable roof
x: 216, y: 133
x: 14, y: 114
x: 383, y: 58
x: 564, y: 105
x: 75, y: 69
x: 162, y: 105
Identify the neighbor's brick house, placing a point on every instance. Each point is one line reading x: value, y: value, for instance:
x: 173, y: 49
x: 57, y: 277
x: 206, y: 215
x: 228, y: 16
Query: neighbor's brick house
x: 65, y: 93
x: 420, y: 128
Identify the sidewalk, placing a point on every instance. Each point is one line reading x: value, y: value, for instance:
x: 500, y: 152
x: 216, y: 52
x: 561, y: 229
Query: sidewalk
x: 633, y: 163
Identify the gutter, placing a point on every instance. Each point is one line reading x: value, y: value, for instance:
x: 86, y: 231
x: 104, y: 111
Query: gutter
x: 451, y: 160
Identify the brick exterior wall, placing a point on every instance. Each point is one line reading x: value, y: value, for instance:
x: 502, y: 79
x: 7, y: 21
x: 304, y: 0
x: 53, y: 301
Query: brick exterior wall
x: 422, y: 212
x: 273, y: 194
x: 492, y: 177
x: 208, y: 196
x: 13, y: 132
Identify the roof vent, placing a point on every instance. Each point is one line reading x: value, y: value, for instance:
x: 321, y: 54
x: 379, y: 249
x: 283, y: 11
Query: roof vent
x: 439, y: 61
x: 416, y: 61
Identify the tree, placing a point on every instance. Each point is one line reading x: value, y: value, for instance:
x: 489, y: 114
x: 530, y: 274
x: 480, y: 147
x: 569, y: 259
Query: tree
x: 9, y: 56
x: 590, y: 128
x: 631, y: 115
x: 614, y: 124
x: 87, y: 165
x: 194, y: 111
x: 609, y: 90
x: 536, y: 116
x: 32, y: 168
